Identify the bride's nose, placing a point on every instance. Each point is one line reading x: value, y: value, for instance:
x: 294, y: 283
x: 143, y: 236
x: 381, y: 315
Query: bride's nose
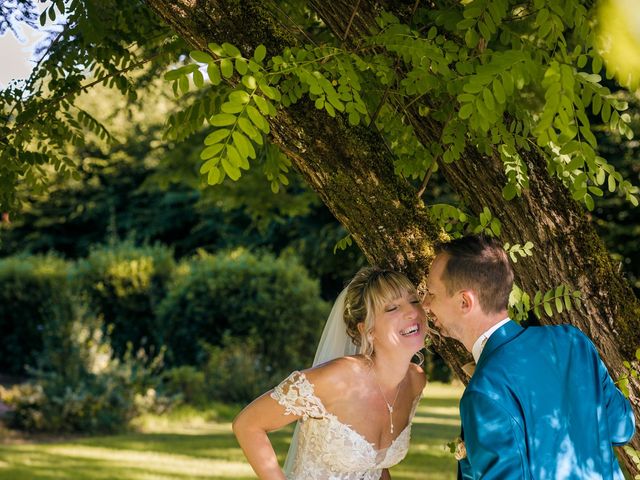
x: 412, y: 310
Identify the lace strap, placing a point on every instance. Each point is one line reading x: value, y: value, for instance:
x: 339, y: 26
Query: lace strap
x: 295, y: 394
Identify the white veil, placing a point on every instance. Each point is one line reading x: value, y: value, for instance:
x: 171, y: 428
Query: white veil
x: 334, y: 343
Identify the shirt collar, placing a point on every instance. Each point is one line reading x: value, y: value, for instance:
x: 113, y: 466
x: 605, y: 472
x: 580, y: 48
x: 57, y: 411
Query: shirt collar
x: 478, y: 346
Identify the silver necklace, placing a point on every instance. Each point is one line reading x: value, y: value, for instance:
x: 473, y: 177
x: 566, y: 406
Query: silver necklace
x: 389, y: 405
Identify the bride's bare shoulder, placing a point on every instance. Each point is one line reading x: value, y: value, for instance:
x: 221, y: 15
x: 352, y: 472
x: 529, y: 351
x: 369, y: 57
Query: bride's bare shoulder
x: 332, y: 375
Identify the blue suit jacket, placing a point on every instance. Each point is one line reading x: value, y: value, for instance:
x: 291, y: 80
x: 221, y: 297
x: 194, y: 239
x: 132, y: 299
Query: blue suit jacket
x: 541, y: 405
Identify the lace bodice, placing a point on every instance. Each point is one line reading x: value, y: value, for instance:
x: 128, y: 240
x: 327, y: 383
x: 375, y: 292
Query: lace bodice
x: 329, y: 449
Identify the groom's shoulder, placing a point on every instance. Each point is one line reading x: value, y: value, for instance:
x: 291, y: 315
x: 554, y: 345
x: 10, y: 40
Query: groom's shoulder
x: 558, y: 331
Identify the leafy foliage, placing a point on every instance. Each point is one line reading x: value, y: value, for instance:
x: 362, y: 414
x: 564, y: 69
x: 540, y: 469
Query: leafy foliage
x: 504, y: 91
x: 123, y: 284
x: 554, y: 300
x: 36, y: 303
x: 243, y: 295
x: 40, y: 116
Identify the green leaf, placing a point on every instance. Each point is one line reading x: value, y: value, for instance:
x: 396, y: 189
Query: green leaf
x: 242, y: 143
x: 249, y: 81
x: 214, y: 176
x: 559, y: 305
x: 588, y: 201
x: 465, y: 111
x: 232, y: 170
x: 236, y: 158
x: 183, y: 84
x: 247, y: 127
x: 354, y: 118
x: 231, y: 50
x: 262, y: 104
x: 52, y: 14
x: 226, y: 67
x: 200, y: 57
x: 222, y: 120
x: 214, y: 74
x: 241, y: 66
x: 330, y: 110
x: 567, y: 302
x: 240, y: 96
x: 43, y: 18
x: 498, y: 91
x: 259, y: 53
x: 217, y: 49
x: 216, y: 136
x: 198, y: 79
x: 547, y: 309
x: 172, y: 75
x: 232, y: 107
x: 257, y: 118
x: 488, y: 99
x: 211, y: 151
x: 509, y: 192
x: 209, y: 164
x: 507, y: 80
x: 270, y: 92
x: 471, y: 38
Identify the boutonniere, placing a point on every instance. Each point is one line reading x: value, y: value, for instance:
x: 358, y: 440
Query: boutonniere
x: 458, y: 449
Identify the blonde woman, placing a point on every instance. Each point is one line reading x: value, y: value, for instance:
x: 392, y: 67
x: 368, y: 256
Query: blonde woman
x: 354, y: 410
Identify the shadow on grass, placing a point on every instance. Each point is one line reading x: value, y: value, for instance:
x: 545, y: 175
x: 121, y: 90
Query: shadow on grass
x: 211, y: 452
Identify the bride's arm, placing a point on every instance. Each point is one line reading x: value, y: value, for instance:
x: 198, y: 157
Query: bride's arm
x: 250, y: 427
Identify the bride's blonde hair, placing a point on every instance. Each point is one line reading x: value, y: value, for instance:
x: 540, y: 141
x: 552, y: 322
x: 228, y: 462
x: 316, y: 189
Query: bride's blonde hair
x: 367, y: 292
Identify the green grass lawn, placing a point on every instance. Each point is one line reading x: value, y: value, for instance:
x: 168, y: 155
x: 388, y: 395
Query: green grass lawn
x: 192, y: 444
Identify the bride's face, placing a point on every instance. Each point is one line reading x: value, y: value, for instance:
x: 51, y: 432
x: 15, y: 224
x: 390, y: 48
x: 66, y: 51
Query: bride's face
x: 400, y: 323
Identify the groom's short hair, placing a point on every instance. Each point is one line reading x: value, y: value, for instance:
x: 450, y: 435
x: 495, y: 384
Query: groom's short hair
x: 478, y: 263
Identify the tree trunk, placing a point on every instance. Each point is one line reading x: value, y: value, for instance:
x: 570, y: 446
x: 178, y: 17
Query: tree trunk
x: 567, y: 250
x: 351, y: 169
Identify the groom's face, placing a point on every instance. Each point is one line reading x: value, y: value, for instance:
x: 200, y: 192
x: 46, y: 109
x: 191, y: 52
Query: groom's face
x: 439, y: 305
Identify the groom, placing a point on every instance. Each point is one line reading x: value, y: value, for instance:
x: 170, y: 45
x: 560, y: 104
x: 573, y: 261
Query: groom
x: 541, y: 404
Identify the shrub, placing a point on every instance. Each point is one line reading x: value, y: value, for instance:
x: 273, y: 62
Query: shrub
x: 185, y: 384
x: 36, y: 307
x: 236, y: 372
x: 80, y: 387
x: 123, y: 283
x: 244, y: 295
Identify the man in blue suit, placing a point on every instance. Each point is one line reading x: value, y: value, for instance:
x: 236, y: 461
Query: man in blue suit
x: 541, y: 404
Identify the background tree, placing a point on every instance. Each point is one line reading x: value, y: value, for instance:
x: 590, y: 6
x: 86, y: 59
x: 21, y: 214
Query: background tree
x: 369, y: 108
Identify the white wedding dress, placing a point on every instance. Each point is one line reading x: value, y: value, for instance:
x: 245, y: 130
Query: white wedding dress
x: 329, y: 449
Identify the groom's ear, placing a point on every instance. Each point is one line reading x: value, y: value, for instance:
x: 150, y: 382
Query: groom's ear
x: 467, y: 300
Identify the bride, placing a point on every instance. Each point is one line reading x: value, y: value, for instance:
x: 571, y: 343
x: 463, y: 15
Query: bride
x: 354, y: 410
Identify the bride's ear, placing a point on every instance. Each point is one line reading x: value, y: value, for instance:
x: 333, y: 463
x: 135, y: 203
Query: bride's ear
x: 361, y: 328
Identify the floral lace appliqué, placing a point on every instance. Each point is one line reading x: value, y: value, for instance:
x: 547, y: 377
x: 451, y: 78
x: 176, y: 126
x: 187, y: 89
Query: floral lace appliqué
x: 329, y: 449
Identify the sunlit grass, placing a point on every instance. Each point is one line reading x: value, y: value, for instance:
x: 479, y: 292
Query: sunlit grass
x: 197, y: 444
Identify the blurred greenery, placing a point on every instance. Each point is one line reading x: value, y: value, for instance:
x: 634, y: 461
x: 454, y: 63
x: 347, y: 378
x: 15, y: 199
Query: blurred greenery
x: 199, y: 444
x: 36, y: 308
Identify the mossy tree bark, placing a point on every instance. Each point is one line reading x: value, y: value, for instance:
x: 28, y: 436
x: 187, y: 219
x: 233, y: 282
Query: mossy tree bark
x: 351, y: 169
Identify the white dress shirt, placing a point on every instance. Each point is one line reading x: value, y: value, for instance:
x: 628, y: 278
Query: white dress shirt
x: 478, y: 346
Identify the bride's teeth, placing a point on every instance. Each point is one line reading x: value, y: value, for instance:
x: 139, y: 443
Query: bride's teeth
x: 410, y: 330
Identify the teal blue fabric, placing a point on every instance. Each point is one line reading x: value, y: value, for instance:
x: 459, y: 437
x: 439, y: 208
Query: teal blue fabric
x: 542, y: 405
